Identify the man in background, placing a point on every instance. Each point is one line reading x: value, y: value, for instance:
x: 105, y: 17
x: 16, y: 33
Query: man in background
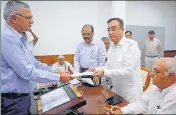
x: 31, y: 39
x: 89, y: 53
x: 152, y: 50
x: 160, y: 98
x: 128, y: 34
x: 62, y: 65
x: 107, y: 42
x: 106, y: 82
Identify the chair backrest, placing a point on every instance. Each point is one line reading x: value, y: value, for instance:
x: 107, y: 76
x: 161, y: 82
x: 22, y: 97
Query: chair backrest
x: 146, y: 78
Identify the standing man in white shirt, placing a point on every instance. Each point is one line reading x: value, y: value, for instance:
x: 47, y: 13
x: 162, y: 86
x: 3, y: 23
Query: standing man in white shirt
x: 89, y: 53
x: 152, y: 49
x: 160, y: 98
x: 123, y: 63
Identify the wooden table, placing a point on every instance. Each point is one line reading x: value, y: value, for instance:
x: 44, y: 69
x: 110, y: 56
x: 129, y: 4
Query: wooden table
x: 95, y: 98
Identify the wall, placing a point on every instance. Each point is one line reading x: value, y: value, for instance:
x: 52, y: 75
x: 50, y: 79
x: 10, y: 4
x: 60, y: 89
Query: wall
x: 58, y: 24
x: 154, y: 13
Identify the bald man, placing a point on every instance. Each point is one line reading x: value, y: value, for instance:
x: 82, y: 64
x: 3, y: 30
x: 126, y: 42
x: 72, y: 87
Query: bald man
x: 63, y: 65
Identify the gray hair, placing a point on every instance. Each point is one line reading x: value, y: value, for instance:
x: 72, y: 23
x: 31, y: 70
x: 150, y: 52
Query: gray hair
x: 171, y: 64
x: 13, y: 7
x: 103, y: 38
x: 61, y: 57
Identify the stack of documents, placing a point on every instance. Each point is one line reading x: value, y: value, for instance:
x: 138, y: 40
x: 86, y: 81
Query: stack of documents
x: 81, y: 75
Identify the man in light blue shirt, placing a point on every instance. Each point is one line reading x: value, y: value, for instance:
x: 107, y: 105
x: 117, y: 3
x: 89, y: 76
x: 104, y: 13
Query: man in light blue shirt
x: 19, y: 68
x: 89, y: 53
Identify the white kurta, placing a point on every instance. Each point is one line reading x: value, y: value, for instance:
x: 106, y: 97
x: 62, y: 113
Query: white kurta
x: 123, y: 66
x: 154, y: 101
x: 63, y: 67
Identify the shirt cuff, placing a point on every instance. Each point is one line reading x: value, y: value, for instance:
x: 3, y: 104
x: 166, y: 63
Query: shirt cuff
x: 125, y: 110
x: 107, y: 73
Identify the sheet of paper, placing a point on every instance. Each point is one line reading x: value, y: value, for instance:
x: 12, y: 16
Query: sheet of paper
x: 54, y: 99
x: 74, y: 81
x: 87, y: 80
x: 81, y: 74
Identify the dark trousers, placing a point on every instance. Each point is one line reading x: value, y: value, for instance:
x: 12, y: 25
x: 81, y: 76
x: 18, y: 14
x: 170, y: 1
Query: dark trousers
x: 15, y: 106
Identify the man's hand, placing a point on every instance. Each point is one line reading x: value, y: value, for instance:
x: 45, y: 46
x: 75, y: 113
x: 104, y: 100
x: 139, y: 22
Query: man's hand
x: 113, y: 110
x: 64, y: 77
x: 98, y: 73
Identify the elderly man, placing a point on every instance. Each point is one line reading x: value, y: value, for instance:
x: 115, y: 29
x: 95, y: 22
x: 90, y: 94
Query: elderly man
x: 128, y: 34
x: 160, y: 98
x: 63, y: 65
x: 106, y: 82
x: 106, y: 42
x: 19, y: 69
x: 123, y: 63
x: 152, y: 49
x: 89, y: 53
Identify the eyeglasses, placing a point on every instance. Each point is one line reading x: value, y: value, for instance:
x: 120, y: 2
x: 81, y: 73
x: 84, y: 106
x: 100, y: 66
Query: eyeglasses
x: 88, y: 34
x: 28, y: 18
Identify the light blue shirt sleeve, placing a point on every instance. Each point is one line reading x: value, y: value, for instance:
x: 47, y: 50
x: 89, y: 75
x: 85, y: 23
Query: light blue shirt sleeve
x: 44, y: 66
x: 16, y: 56
x: 77, y: 59
x: 101, y: 55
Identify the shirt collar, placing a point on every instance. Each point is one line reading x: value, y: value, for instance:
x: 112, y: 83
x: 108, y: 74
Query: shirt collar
x: 166, y: 90
x: 12, y: 32
x: 121, y: 42
x: 92, y: 43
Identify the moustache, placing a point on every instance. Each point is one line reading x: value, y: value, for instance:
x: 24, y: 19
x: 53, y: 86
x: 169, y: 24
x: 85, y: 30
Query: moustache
x: 86, y: 38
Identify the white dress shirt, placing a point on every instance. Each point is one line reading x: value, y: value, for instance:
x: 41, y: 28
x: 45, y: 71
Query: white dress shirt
x: 65, y: 67
x: 154, y: 101
x: 89, y: 56
x: 123, y: 66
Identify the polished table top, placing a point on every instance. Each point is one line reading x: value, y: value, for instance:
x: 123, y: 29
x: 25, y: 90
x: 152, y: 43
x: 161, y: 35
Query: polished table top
x: 95, y: 98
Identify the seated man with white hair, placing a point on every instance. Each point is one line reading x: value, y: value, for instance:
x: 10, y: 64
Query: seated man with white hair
x: 63, y: 65
x: 160, y: 98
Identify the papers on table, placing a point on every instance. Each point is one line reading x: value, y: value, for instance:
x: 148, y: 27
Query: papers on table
x: 81, y: 74
x: 54, y: 99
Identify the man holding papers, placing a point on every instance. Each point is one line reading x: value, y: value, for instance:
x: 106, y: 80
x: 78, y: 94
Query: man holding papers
x: 123, y: 63
x: 19, y: 68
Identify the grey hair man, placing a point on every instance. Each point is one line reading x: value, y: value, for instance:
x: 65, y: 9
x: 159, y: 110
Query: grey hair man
x: 62, y: 65
x: 107, y: 42
x: 160, y: 98
x: 19, y: 69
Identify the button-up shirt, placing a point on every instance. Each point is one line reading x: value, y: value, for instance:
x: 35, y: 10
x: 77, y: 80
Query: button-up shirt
x: 19, y: 68
x: 152, y: 47
x: 154, y: 101
x: 88, y: 56
x: 123, y: 66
